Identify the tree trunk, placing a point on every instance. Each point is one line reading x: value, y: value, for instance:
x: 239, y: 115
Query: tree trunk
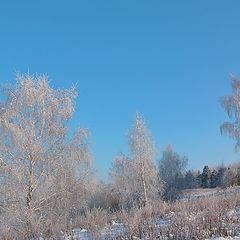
x: 144, y: 184
x: 29, y: 201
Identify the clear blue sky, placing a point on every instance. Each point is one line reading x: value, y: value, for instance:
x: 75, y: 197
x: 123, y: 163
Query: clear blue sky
x: 168, y: 59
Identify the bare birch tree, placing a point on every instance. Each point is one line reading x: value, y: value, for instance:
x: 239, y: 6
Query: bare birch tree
x: 38, y: 160
x: 137, y: 174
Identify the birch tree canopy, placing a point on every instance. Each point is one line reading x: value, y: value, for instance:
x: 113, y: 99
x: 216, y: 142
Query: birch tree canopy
x: 231, y: 105
x: 38, y: 159
x: 136, y: 176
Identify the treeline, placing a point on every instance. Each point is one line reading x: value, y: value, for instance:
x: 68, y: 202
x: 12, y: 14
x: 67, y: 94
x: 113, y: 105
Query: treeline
x: 213, y: 177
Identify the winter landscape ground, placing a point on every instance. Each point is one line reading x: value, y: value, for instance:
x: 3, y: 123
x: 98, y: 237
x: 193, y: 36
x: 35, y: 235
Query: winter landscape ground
x: 199, y: 214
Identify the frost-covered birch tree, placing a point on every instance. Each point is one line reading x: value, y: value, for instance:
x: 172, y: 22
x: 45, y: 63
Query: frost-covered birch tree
x: 136, y: 176
x: 231, y: 104
x: 39, y: 162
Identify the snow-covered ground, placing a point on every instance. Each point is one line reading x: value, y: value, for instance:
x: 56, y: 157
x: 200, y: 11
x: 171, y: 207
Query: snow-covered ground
x: 222, y: 238
x: 119, y: 231
x: 166, y: 224
x: 112, y: 232
x: 195, y: 194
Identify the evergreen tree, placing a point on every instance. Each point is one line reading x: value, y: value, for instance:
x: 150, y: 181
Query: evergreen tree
x: 206, y: 177
x: 220, y: 176
x: 214, y: 179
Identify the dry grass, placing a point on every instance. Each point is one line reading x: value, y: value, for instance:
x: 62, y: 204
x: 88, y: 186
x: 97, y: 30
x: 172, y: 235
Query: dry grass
x: 185, y: 219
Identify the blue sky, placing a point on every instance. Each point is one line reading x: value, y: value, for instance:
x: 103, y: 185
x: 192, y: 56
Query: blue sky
x: 170, y: 60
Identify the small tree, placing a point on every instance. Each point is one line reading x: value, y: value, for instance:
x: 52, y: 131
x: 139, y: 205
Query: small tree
x: 232, y: 175
x: 214, y: 179
x: 122, y: 177
x: 136, y: 176
x: 206, y: 177
x: 172, y: 169
x: 190, y: 180
x: 217, y: 176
